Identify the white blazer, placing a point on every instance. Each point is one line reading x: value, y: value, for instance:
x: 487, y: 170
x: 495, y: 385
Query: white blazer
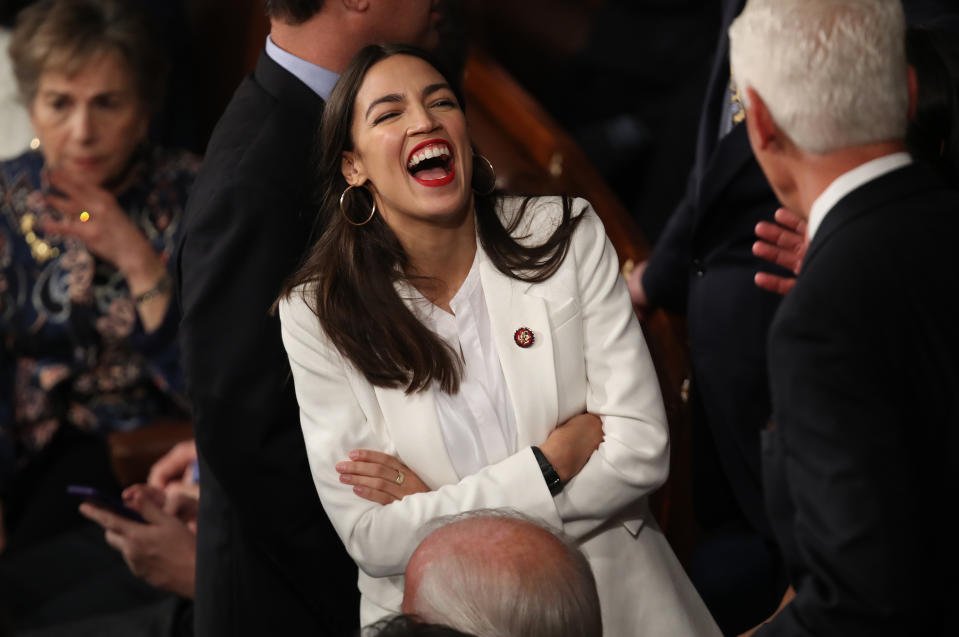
x: 589, y: 355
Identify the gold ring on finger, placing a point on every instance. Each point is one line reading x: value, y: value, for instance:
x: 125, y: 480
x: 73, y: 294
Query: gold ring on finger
x: 400, y: 477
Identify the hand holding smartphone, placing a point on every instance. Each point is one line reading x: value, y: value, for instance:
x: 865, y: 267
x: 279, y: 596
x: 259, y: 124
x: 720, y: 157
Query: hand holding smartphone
x: 99, y: 498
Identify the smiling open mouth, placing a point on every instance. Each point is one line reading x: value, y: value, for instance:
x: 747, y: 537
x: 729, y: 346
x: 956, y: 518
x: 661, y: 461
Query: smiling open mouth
x: 431, y: 163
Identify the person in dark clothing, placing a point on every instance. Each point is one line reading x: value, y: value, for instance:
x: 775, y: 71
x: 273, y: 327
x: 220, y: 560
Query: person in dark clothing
x: 268, y: 560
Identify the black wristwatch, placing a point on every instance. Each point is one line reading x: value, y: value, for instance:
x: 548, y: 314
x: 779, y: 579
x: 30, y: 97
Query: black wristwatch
x: 549, y: 473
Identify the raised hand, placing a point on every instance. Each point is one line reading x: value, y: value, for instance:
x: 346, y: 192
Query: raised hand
x: 106, y: 229
x: 783, y: 243
x: 379, y: 477
x: 92, y: 215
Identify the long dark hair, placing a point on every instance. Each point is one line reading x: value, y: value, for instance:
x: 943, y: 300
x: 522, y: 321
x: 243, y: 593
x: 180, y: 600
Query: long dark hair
x: 351, y: 272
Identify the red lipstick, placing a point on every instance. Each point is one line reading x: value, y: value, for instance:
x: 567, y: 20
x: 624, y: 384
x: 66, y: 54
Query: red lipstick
x: 450, y: 164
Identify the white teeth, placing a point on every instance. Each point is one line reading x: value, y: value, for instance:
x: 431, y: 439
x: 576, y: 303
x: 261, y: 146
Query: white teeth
x: 435, y: 150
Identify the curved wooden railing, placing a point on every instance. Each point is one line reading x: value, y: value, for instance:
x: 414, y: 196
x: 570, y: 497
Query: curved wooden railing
x: 534, y: 155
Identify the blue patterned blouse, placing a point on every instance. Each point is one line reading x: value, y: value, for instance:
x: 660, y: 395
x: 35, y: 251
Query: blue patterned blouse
x: 72, y: 349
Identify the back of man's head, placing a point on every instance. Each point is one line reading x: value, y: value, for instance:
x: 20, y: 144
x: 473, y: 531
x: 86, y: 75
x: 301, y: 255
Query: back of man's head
x: 292, y: 11
x: 494, y: 574
x: 832, y: 73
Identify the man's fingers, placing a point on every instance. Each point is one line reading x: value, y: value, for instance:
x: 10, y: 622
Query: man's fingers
x: 777, y: 255
x: 116, y: 540
x: 791, y: 221
x: 174, y: 465
x: 181, y: 505
x: 777, y: 235
x: 145, y: 501
x: 105, y: 518
x: 134, y: 493
x: 773, y: 283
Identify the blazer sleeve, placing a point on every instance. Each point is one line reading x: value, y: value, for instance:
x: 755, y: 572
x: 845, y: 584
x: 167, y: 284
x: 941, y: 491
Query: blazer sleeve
x: 621, y: 388
x: 335, y: 421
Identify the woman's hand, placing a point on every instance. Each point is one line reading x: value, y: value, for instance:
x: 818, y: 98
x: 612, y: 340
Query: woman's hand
x: 570, y: 445
x: 379, y: 477
x: 109, y: 234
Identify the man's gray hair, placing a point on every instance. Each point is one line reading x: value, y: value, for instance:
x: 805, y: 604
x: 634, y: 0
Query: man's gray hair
x: 498, y: 598
x: 832, y: 73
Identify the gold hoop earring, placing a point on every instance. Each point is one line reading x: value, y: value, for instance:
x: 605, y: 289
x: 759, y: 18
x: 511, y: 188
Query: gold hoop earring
x: 487, y: 184
x: 347, y: 217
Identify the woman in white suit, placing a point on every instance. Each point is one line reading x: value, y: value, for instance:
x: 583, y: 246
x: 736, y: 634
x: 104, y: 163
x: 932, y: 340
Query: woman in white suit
x: 454, y: 351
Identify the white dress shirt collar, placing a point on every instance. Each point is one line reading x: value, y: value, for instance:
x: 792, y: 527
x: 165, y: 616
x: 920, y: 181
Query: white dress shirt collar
x: 319, y: 79
x: 850, y: 181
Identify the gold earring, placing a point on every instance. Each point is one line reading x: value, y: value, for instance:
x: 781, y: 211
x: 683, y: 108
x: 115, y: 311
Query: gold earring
x: 490, y: 179
x: 347, y: 217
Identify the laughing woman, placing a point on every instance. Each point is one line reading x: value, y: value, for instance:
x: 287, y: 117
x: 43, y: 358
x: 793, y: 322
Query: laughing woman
x: 469, y: 351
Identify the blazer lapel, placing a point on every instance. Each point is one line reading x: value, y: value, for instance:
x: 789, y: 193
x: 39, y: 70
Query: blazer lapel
x: 529, y: 372
x: 415, y: 431
x: 413, y: 424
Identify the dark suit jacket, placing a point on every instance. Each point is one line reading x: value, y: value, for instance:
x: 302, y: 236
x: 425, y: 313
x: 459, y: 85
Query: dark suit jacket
x: 269, y: 561
x: 863, y: 463
x: 703, y: 265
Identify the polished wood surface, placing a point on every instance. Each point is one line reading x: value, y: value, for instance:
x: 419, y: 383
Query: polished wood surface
x: 134, y: 452
x: 532, y: 154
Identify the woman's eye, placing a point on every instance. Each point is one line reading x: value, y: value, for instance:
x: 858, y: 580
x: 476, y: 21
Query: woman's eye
x: 384, y: 116
x: 445, y: 103
x: 59, y: 103
x: 108, y: 101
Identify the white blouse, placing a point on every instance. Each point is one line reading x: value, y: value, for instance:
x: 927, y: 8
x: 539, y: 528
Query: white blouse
x: 478, y: 424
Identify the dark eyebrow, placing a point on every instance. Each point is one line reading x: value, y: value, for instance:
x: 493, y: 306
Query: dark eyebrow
x: 432, y: 88
x: 391, y: 98
x: 394, y: 98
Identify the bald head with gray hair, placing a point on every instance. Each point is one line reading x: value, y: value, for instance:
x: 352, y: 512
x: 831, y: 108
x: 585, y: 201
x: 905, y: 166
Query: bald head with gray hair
x: 499, y: 574
x: 832, y: 73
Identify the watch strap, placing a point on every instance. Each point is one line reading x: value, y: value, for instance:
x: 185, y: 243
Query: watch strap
x: 553, y: 482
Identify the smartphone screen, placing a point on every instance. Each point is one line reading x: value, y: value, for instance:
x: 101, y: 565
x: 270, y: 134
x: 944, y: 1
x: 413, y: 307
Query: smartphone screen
x: 99, y: 498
